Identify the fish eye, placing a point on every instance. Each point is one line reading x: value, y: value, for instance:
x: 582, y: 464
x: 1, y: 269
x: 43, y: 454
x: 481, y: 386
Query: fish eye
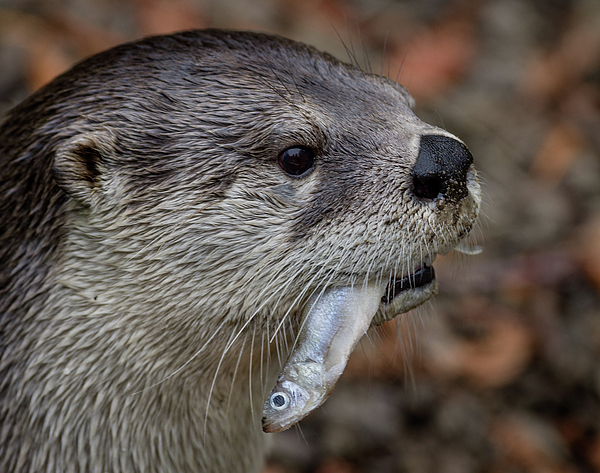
x: 279, y: 401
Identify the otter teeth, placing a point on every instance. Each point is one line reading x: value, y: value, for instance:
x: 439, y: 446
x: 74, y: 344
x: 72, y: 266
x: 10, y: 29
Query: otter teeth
x: 465, y: 248
x: 421, y: 276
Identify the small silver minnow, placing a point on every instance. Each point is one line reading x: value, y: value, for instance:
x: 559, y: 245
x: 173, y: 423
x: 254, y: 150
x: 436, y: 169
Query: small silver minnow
x: 333, y: 322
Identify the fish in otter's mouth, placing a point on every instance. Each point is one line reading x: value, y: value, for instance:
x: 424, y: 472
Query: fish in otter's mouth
x: 445, y: 196
x: 334, y: 320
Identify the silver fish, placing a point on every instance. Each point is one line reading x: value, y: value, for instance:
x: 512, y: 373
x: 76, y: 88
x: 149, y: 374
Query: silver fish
x: 333, y: 323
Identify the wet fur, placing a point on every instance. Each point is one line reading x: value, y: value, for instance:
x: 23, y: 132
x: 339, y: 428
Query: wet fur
x: 151, y: 247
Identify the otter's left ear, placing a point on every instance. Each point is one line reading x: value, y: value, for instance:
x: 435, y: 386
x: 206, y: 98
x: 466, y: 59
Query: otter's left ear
x: 80, y: 165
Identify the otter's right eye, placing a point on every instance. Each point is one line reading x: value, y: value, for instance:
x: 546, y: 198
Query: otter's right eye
x: 296, y: 160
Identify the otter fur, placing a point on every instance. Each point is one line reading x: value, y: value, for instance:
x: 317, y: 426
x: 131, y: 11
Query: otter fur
x: 155, y: 253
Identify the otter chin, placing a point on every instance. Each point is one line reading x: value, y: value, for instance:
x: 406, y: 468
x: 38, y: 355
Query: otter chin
x: 198, y: 228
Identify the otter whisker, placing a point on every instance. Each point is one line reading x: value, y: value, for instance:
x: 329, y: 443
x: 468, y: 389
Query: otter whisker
x: 237, y: 365
x: 178, y: 370
x: 263, y: 356
x: 384, y: 56
x: 351, y: 52
x: 250, y: 373
x: 248, y: 321
x: 212, y: 386
x: 366, y: 58
x: 301, y: 294
x: 317, y: 290
x: 301, y: 269
x: 407, y: 349
x: 305, y: 289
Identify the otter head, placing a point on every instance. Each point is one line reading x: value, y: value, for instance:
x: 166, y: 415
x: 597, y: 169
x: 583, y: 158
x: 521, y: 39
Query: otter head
x: 205, y: 186
x: 244, y: 171
x: 234, y: 175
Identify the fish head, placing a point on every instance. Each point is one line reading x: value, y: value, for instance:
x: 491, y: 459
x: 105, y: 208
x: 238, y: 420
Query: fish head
x: 286, y: 403
x: 301, y: 387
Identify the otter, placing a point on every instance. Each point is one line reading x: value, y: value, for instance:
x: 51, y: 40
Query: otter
x: 169, y: 207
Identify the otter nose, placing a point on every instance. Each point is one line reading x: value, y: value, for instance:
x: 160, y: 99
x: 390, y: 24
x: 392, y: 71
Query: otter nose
x: 441, y: 168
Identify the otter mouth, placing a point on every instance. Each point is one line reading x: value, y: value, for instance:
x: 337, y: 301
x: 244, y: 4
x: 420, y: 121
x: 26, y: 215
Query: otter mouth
x: 334, y: 320
x: 422, y: 276
x: 402, y: 294
x: 411, y: 290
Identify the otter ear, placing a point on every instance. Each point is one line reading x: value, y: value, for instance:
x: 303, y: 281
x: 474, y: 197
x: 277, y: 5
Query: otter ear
x: 79, y: 165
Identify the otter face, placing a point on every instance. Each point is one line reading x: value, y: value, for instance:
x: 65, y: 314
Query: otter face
x: 363, y: 189
x: 173, y: 206
x: 261, y: 171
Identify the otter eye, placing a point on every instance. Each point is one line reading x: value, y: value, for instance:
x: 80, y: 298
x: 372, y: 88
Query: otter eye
x: 296, y: 160
x: 279, y: 401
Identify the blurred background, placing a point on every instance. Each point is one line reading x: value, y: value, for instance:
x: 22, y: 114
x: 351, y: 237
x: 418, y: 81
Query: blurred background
x: 501, y: 372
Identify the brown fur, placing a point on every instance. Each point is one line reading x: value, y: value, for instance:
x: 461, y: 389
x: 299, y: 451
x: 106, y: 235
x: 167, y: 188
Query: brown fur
x: 151, y: 245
